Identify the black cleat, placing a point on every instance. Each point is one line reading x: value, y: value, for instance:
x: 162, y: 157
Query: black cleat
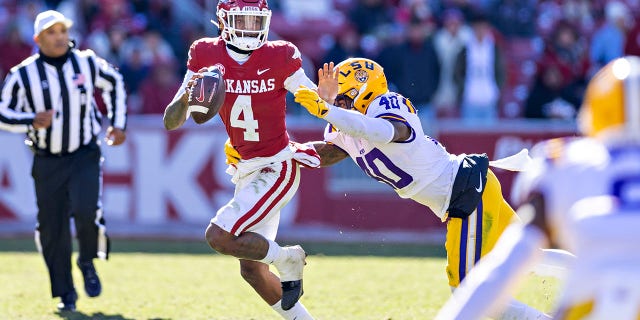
x: 291, y: 293
x: 68, y: 301
x: 92, y: 285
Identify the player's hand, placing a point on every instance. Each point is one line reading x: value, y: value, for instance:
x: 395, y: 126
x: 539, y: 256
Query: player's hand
x: 42, y: 120
x: 328, y: 82
x: 311, y: 101
x: 115, y: 136
x: 194, y: 78
x: 233, y: 157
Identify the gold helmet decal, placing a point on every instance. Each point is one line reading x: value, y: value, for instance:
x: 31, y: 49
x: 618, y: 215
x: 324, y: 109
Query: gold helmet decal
x: 362, y: 76
x: 361, y: 80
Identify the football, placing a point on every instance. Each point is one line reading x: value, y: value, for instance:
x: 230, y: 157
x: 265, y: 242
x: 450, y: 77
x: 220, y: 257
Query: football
x: 207, y: 96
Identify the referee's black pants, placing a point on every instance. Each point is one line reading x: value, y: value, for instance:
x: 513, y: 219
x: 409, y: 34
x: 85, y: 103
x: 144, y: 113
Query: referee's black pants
x: 67, y: 185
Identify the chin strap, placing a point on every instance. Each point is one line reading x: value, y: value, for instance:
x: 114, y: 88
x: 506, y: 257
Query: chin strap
x: 238, y: 50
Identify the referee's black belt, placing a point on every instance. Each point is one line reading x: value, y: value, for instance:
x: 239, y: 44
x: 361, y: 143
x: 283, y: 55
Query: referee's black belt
x: 47, y: 153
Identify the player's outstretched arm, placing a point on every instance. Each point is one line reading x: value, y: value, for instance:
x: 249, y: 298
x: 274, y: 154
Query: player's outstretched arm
x: 329, y: 153
x: 350, y: 122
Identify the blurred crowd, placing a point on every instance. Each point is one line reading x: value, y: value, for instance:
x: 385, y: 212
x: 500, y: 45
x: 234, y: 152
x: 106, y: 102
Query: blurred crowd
x: 476, y: 60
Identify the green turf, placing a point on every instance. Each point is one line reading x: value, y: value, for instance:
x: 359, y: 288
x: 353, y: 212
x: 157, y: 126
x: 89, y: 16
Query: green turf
x: 186, y: 280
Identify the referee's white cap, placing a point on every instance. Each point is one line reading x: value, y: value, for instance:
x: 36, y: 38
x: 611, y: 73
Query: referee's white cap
x: 46, y: 19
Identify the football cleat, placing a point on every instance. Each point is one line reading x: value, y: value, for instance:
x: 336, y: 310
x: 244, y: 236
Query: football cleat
x: 68, y: 301
x: 291, y: 276
x: 92, y: 284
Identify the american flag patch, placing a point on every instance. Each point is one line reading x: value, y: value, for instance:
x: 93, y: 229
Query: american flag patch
x: 78, y: 79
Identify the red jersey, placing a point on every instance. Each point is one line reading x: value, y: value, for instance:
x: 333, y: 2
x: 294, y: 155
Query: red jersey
x: 255, y: 104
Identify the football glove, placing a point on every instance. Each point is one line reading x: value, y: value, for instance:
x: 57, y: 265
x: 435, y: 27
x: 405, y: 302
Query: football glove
x: 311, y: 101
x: 305, y: 154
x: 233, y: 157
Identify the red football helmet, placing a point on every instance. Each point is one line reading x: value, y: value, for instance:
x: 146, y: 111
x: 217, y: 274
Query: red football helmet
x: 244, y: 23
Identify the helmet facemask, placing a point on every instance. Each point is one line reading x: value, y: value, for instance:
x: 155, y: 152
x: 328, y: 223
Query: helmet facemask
x: 246, y: 28
x: 344, y: 101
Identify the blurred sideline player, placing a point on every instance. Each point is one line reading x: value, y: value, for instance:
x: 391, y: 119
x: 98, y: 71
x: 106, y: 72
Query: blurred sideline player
x: 382, y: 133
x: 583, y: 195
x: 258, y: 74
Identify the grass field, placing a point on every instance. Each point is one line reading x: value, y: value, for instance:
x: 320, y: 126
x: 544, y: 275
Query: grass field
x: 186, y: 280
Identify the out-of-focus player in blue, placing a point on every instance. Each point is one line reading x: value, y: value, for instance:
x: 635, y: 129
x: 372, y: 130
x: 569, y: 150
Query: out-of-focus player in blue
x: 583, y: 194
x: 381, y: 131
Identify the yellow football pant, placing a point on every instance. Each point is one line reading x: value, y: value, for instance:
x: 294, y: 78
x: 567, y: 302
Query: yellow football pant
x: 472, y: 238
x: 578, y: 311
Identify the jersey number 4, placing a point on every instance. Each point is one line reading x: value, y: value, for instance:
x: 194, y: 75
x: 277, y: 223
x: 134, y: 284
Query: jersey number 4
x: 242, y: 106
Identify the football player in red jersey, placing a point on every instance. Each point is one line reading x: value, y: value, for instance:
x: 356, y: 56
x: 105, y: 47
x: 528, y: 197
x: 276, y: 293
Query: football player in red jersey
x: 258, y: 73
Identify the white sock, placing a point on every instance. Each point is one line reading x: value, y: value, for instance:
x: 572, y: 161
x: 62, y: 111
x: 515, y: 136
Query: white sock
x: 298, y: 312
x: 517, y: 310
x: 274, y: 253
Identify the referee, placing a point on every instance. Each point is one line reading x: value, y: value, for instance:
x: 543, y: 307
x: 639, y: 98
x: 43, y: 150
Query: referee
x: 49, y: 96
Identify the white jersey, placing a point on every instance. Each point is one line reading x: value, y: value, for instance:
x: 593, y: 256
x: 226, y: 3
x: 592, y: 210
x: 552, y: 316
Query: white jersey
x: 592, y: 201
x: 419, y: 168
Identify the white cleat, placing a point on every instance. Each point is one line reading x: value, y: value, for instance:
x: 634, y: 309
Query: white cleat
x: 291, y: 276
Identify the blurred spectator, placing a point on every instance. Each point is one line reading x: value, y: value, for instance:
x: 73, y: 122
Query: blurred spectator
x: 81, y: 12
x: 412, y: 11
x: 417, y: 73
x: 25, y: 15
x: 52, y: 4
x: 372, y: 16
x: 134, y: 70
x: 296, y: 9
x: 480, y: 73
x: 14, y: 49
x: 549, y: 13
x: 515, y: 18
x: 580, y: 14
x: 108, y: 43
x: 346, y: 46
x: 112, y: 13
x: 632, y: 41
x: 156, y: 48
x: 561, y: 77
x: 158, y: 89
x: 162, y: 18
x: 449, y: 41
x: 608, y: 41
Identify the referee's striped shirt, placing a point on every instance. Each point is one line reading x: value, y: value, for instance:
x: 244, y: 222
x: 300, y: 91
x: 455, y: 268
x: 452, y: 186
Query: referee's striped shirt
x: 35, y: 86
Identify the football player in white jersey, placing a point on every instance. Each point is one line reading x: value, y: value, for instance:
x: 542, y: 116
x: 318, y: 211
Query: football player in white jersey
x: 380, y: 130
x: 584, y: 195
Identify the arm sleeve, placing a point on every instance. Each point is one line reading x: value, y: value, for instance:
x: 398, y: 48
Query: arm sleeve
x: 357, y: 125
x: 486, y: 290
x: 11, y: 101
x: 298, y: 78
x: 113, y: 92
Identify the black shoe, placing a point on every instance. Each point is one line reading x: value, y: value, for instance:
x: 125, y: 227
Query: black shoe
x: 92, y: 284
x: 291, y: 293
x: 68, y: 301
